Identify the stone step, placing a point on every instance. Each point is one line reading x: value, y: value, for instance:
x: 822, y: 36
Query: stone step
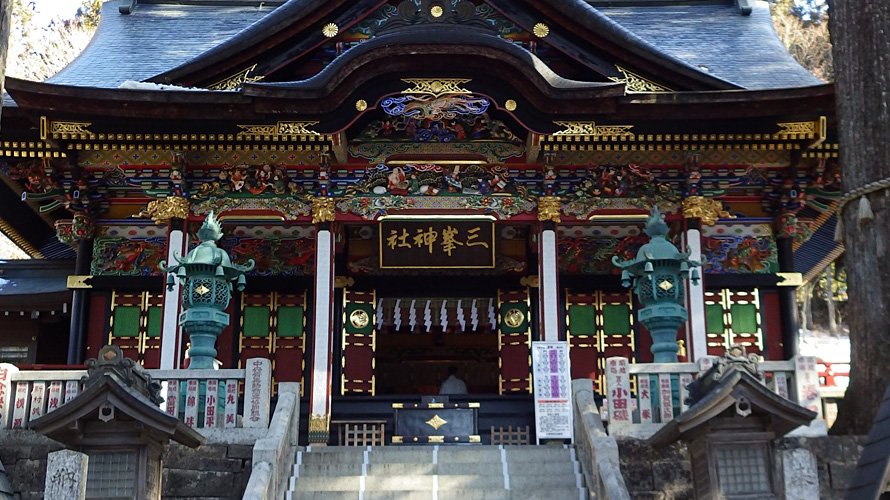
x: 427, y: 482
x: 442, y: 469
x: 424, y: 454
x: 491, y: 494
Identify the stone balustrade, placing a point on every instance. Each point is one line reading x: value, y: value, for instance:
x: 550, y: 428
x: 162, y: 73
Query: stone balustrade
x: 208, y: 400
x: 640, y: 398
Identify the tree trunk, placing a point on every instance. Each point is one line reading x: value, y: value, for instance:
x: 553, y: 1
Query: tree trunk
x: 5, y: 24
x: 829, y: 301
x: 861, y: 35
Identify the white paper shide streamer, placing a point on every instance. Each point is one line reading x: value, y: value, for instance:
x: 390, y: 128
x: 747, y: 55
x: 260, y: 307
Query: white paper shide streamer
x: 474, y: 316
x: 379, y: 315
x: 461, y: 320
x: 427, y: 317
x: 443, y: 315
x: 397, y: 315
x: 412, y: 316
x: 492, y: 316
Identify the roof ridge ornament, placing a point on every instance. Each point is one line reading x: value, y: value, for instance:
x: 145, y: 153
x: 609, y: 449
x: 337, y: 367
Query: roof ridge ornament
x: 436, y: 86
x: 635, y: 84
x: 745, y: 6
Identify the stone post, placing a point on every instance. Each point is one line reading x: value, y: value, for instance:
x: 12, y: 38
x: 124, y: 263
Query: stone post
x: 618, y: 391
x: 257, y: 392
x: 66, y: 475
x: 801, y: 474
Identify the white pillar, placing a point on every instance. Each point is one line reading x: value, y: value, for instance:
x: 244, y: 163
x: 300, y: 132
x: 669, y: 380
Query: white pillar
x: 322, y: 338
x: 696, y: 301
x: 548, y: 285
x: 171, y: 333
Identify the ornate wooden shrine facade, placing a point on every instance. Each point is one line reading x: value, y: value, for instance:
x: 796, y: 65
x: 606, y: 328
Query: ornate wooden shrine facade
x: 424, y: 183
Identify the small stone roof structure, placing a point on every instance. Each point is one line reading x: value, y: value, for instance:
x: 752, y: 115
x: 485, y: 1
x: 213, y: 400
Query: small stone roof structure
x: 115, y: 388
x: 732, y: 387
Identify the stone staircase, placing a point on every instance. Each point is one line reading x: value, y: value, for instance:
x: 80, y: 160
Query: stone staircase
x: 437, y: 473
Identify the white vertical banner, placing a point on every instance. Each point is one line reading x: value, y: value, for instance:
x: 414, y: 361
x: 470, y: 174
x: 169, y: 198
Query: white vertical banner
x: 38, y: 398
x: 548, y: 288
x: 6, y: 393
x: 54, y: 396
x: 191, y: 403
x: 685, y: 380
x: 170, y: 330
x: 553, y: 392
x: 705, y: 363
x: 780, y: 383
x: 806, y: 383
x: 172, y: 401
x: 618, y: 390
x: 20, y: 407
x: 644, y: 398
x: 211, y: 401
x: 665, y: 397
x: 231, y: 405
x: 72, y: 389
x: 696, y: 298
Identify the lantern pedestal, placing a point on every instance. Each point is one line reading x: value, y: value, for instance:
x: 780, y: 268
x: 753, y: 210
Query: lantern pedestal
x: 203, y: 326
x: 663, y: 320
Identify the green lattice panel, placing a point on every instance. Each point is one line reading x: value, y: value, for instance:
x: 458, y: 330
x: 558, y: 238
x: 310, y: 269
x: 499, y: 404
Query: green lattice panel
x: 582, y: 320
x: 714, y: 315
x: 290, y: 321
x: 616, y: 319
x: 744, y: 318
x: 155, y: 319
x: 256, y: 321
x: 126, y: 321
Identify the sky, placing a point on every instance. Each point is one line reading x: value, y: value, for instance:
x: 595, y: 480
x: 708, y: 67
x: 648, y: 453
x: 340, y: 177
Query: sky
x: 47, y: 10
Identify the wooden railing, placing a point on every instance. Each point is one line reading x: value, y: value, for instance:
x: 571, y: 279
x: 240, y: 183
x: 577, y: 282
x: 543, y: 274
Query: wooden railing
x: 208, y: 399
x: 640, y: 398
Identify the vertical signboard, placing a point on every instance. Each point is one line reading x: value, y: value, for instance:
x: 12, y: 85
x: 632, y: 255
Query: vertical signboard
x: 553, y: 390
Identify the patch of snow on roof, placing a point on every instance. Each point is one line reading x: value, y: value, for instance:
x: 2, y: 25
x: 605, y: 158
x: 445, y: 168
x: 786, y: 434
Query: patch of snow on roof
x: 134, y: 85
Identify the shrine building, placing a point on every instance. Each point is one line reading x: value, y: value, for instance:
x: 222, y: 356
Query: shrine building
x: 422, y: 184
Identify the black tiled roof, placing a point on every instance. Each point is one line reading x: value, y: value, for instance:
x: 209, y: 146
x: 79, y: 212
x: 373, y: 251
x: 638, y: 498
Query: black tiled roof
x: 744, y: 50
x: 716, y: 39
x: 812, y: 252
x: 152, y: 39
